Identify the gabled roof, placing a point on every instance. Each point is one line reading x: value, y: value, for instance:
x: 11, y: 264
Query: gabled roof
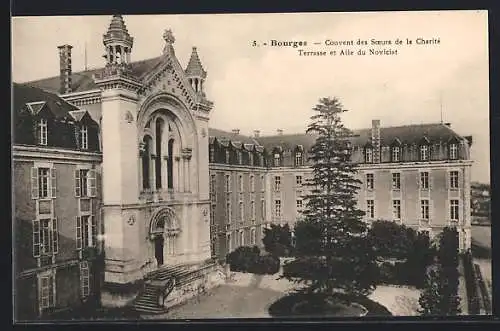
x: 35, y: 99
x: 77, y: 114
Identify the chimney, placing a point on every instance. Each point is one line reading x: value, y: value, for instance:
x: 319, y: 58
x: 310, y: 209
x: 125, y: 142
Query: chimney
x: 280, y: 132
x: 448, y: 124
x: 236, y: 131
x: 256, y: 133
x: 65, y: 68
x: 376, y: 140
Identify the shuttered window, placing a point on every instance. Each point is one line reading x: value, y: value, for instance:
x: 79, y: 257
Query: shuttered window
x: 84, y: 279
x: 46, y: 290
x: 43, y: 183
x: 45, y: 237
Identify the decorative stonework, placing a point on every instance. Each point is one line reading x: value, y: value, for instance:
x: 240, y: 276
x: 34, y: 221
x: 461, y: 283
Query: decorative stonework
x: 128, y: 117
x: 187, y: 153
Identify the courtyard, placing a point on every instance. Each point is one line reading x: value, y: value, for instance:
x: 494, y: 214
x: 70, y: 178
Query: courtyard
x: 248, y: 295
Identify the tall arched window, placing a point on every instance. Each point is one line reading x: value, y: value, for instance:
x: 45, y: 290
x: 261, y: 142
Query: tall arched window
x: 146, y: 154
x: 170, y: 164
x: 158, y: 136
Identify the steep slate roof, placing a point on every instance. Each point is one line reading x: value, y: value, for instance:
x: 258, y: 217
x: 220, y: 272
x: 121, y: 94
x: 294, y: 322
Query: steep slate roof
x: 84, y: 80
x: 224, y: 135
x: 23, y: 95
x: 407, y: 134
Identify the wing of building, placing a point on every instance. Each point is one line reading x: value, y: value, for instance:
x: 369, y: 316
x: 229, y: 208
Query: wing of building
x: 119, y: 163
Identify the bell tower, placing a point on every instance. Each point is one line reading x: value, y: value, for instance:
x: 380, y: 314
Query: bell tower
x: 120, y: 186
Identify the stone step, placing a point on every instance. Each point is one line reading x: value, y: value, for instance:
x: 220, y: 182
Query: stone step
x: 150, y: 310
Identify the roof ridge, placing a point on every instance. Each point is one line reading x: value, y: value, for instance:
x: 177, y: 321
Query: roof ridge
x: 82, y: 72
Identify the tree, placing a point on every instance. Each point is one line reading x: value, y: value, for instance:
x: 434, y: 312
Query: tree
x: 277, y: 240
x: 392, y: 240
x: 343, y: 260
x: 430, y: 297
x: 306, y: 238
x: 440, y: 294
x: 448, y: 259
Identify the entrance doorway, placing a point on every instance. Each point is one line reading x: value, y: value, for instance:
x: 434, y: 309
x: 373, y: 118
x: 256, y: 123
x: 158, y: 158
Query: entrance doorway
x: 158, y: 242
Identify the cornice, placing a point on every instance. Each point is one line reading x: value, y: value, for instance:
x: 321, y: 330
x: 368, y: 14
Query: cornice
x: 23, y: 152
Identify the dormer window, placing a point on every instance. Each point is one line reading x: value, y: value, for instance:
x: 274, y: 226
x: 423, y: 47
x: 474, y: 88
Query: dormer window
x: 227, y: 157
x: 277, y: 159
x: 212, y: 153
x: 368, y: 155
x: 240, y: 157
x: 298, y: 159
x: 453, y: 151
x: 84, y: 136
x: 42, y: 125
x: 261, y: 160
x: 424, y: 153
x: 250, y: 158
x: 396, y: 154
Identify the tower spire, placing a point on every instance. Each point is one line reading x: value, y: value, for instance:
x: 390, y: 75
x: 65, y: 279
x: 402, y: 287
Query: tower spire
x: 85, y: 47
x: 118, y: 42
x: 195, y: 72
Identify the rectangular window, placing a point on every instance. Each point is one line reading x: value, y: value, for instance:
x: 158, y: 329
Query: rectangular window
x: 228, y: 211
x: 298, y: 159
x: 242, y: 238
x: 240, y: 183
x: 242, y: 211
x: 299, y: 204
x: 261, y: 160
x: 396, y: 209
x: 368, y: 155
x: 84, y: 135
x: 424, y: 209
x: 424, y: 153
x: 253, y: 239
x: 396, y: 181
x: 43, y: 182
x: 454, y: 210
x: 453, y: 151
x: 228, y: 183
x: 252, y: 183
x: 263, y: 208
x: 212, y: 154
x: 395, y: 154
x: 370, y: 209
x: 84, y: 279
x: 370, y: 181
x: 277, y: 183
x: 42, y: 126
x: 277, y: 208
x: 262, y: 183
x: 277, y: 160
x: 46, y: 291
x: 85, y: 183
x: 213, y: 194
x: 252, y: 209
x: 240, y: 157
x: 298, y: 180
x: 424, y: 180
x: 454, y: 180
x: 86, y: 232
x: 229, y: 243
x: 228, y: 159
x: 46, y: 236
x: 250, y: 158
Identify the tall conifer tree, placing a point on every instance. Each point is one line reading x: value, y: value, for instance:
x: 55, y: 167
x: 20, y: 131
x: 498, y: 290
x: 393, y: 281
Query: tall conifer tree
x: 343, y: 260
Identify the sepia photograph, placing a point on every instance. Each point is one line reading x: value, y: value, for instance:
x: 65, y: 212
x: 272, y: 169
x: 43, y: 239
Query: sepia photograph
x: 280, y: 165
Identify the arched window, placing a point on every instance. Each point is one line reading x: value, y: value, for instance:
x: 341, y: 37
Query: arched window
x: 145, y: 163
x: 158, y: 136
x: 170, y: 164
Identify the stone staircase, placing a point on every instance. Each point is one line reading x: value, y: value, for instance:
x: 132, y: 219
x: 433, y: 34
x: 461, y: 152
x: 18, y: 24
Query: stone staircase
x: 160, y: 283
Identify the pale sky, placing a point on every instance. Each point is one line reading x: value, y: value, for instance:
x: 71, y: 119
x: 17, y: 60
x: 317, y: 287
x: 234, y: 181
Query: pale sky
x: 267, y: 88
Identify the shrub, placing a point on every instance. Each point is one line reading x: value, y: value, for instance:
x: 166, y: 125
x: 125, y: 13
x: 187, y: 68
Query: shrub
x: 242, y: 258
x: 278, y: 240
x: 267, y: 264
